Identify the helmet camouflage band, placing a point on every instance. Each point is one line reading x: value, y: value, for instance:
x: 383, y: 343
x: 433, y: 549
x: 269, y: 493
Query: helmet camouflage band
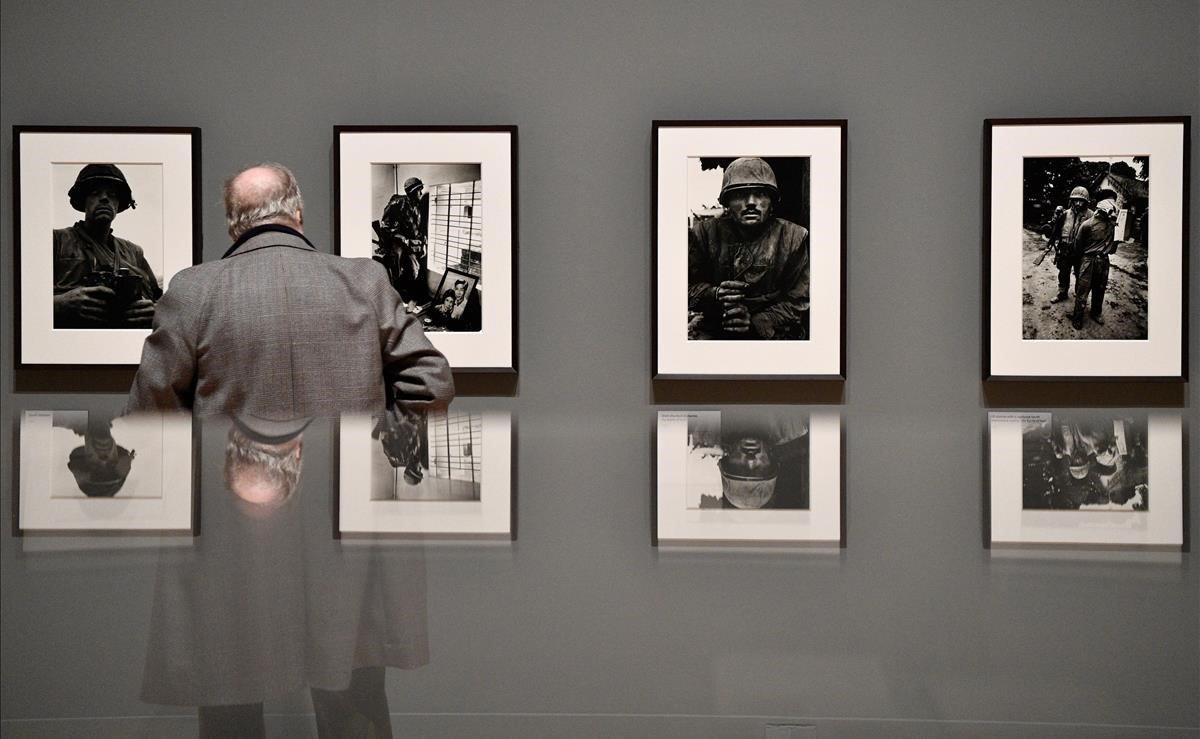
x: 95, y: 175
x: 1080, y: 193
x: 748, y: 172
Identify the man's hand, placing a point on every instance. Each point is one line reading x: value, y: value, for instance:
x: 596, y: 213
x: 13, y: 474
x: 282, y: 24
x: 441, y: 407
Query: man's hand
x: 736, y: 319
x: 139, y: 314
x: 731, y: 291
x: 88, y: 303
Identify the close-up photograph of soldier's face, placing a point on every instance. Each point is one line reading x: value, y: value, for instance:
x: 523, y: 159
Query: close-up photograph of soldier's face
x: 100, y: 205
x: 749, y: 206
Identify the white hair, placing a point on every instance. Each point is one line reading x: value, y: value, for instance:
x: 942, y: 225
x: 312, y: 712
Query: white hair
x: 249, y: 464
x: 247, y: 207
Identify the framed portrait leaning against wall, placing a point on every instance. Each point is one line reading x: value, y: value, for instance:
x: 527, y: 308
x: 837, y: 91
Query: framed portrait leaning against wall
x: 749, y: 249
x: 103, y: 218
x: 1086, y: 249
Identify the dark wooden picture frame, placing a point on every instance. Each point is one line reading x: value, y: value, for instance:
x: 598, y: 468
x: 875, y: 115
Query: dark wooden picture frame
x: 841, y: 126
x: 343, y: 249
x: 989, y: 372
x: 76, y: 374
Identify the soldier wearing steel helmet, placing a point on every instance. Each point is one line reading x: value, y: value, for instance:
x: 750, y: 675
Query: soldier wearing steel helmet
x: 1064, y: 234
x: 101, y: 280
x: 748, y: 270
x: 402, y: 242
x: 1095, y: 242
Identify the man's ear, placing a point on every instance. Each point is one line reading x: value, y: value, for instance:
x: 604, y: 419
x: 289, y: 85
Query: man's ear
x: 300, y: 216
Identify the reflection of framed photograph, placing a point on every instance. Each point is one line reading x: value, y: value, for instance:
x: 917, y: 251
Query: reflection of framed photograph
x: 749, y: 249
x: 445, y: 475
x: 746, y: 476
x: 1086, y: 478
x: 414, y: 198
x: 104, y: 218
x: 84, y: 471
x: 1086, y: 249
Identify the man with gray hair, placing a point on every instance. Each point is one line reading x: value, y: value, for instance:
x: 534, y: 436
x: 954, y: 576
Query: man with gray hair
x: 280, y: 329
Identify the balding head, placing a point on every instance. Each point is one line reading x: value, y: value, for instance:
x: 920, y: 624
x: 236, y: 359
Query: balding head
x: 262, y: 194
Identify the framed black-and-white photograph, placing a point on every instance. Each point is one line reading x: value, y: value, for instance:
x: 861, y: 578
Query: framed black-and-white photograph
x: 1086, y: 478
x: 85, y: 471
x: 441, y: 475
x: 749, y: 476
x: 414, y: 198
x: 749, y: 249
x: 103, y: 218
x: 1086, y: 249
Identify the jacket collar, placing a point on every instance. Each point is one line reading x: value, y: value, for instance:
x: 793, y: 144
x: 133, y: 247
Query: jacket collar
x: 272, y: 234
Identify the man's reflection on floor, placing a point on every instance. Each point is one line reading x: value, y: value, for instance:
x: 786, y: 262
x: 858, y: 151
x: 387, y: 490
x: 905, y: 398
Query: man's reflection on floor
x: 267, y: 602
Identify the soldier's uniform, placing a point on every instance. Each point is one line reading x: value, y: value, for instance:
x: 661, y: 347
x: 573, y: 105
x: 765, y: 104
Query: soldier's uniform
x: 1095, y: 242
x: 1064, y: 234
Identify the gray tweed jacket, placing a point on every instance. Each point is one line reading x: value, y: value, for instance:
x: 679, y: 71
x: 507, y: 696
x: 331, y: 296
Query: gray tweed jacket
x: 277, y: 328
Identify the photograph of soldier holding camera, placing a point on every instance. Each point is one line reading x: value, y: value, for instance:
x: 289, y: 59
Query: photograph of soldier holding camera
x: 101, y: 280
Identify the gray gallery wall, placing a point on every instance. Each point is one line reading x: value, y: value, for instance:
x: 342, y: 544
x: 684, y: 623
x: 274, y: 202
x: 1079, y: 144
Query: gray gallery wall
x: 582, y: 627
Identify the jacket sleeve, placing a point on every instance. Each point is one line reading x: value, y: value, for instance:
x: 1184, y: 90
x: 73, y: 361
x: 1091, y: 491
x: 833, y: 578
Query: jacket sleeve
x: 790, y: 309
x: 416, y: 375
x: 166, y: 376
x: 702, y: 293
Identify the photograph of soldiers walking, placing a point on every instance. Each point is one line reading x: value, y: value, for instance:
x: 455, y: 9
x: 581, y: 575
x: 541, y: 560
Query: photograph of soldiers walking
x: 108, y: 250
x: 1085, y: 461
x: 748, y: 261
x: 747, y: 460
x: 428, y: 234
x: 1084, y: 247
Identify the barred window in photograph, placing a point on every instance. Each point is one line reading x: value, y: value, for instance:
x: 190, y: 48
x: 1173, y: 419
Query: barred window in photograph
x: 456, y: 226
x: 455, y: 446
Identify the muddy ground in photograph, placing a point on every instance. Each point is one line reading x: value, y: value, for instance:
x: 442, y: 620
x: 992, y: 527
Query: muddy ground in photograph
x: 1124, y: 302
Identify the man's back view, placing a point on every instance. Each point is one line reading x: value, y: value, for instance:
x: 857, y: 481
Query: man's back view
x: 278, y: 328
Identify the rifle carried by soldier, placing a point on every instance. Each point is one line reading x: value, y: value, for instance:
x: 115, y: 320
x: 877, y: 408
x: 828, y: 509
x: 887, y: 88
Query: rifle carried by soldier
x: 1047, y: 232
